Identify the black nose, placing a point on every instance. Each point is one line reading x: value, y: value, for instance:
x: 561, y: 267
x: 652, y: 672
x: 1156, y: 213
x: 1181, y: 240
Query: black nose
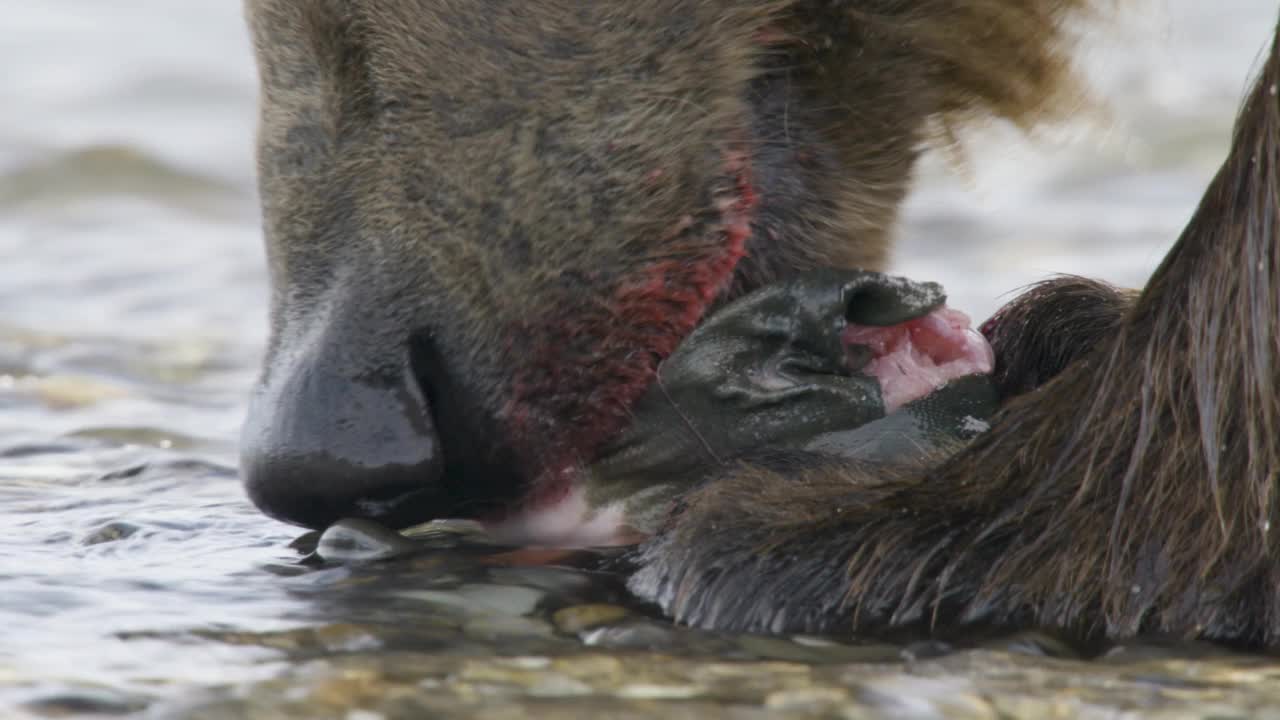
x: 319, y: 446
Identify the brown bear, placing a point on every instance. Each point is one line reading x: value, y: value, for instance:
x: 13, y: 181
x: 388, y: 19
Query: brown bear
x: 504, y: 236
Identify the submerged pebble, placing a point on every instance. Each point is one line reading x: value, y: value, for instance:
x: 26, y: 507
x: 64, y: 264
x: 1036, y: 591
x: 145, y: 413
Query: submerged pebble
x: 917, y: 698
x: 578, y: 618
x: 634, y: 634
x: 643, y: 691
x: 87, y: 702
x: 481, y: 599
x: 355, y: 541
x: 110, y: 532
x: 780, y: 648
x: 502, y: 627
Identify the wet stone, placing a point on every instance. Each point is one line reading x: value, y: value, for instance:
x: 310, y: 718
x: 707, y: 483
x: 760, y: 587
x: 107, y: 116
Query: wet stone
x: 496, y: 627
x: 87, y: 702
x: 558, y: 581
x: 916, y: 698
x: 558, y: 686
x: 806, y: 699
x: 646, y: 691
x: 110, y: 532
x: 477, y: 599
x: 535, y: 677
x: 357, y: 541
x: 766, y: 647
x: 634, y: 634
x: 602, y: 671
x: 837, y: 651
x: 576, y: 619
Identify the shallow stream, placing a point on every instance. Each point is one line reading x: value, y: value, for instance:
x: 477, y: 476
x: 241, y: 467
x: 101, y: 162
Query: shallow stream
x: 136, y: 579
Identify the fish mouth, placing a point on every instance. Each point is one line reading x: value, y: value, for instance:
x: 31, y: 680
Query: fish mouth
x: 915, y: 358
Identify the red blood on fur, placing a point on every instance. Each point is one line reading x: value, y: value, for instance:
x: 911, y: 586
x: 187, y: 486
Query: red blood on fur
x: 586, y: 365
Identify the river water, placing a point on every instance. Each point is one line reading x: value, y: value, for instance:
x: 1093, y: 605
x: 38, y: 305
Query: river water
x: 135, y: 578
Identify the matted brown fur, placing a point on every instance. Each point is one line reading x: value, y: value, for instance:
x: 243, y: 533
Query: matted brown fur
x: 527, y: 205
x: 1134, y: 493
x: 1051, y: 325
